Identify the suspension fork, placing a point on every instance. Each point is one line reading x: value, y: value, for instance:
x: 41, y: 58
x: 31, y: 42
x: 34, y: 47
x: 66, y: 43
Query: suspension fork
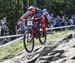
x: 31, y: 30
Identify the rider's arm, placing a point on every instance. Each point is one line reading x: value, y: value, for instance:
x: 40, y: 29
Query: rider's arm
x: 24, y: 16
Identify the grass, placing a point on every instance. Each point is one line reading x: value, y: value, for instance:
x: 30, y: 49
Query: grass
x: 12, y: 48
x: 18, y: 46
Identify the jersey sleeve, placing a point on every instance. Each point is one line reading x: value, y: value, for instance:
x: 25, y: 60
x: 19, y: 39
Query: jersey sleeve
x: 24, y: 16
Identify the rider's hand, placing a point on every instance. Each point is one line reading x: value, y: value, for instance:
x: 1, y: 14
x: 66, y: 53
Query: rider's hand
x: 19, y: 20
x: 23, y: 19
x: 33, y: 18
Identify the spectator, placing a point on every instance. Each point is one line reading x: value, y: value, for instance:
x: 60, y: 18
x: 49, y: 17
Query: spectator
x: 4, y: 32
x: 20, y: 27
x: 58, y: 21
x: 67, y: 19
x: 0, y: 30
x: 4, y: 29
x: 51, y: 19
x: 63, y: 23
x: 73, y: 18
x: 44, y: 11
x: 46, y: 14
x: 70, y: 22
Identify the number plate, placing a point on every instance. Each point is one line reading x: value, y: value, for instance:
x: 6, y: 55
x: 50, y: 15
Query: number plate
x: 29, y: 23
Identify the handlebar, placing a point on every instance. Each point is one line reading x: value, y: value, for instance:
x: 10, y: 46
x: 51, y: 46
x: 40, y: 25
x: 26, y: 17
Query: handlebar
x: 32, y: 19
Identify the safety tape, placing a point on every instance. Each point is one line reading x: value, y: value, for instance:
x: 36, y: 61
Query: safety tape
x: 11, y: 42
x: 12, y: 36
x: 46, y: 29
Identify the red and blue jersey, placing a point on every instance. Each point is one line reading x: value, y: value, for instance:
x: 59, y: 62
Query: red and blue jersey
x: 37, y: 13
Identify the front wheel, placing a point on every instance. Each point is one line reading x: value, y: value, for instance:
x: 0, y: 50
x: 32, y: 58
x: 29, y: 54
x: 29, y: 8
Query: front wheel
x: 42, y: 36
x: 28, y: 41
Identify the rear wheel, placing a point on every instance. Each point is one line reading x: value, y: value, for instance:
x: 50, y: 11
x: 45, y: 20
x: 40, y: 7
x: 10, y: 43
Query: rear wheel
x: 42, y: 36
x: 28, y: 41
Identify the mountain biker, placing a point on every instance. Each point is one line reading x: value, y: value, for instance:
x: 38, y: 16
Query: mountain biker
x: 36, y: 13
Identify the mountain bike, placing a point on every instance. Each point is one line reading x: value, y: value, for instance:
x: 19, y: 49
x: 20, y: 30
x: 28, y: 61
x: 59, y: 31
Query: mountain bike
x: 29, y: 35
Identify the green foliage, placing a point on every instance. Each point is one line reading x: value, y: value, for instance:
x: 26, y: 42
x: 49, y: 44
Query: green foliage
x: 13, y: 8
x: 10, y: 8
x: 58, y: 6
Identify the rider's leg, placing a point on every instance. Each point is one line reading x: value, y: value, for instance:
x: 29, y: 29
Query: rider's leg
x: 43, y: 24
